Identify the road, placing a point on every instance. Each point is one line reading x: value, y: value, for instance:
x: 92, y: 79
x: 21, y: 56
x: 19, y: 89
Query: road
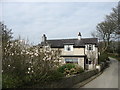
x: 108, y: 79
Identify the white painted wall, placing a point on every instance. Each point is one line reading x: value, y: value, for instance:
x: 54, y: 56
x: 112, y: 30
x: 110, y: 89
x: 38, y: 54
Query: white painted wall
x: 76, y: 51
x: 81, y: 62
x: 89, y: 54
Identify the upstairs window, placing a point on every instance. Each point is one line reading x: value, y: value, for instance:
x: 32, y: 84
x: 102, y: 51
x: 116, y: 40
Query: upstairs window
x: 90, y: 47
x: 68, y: 47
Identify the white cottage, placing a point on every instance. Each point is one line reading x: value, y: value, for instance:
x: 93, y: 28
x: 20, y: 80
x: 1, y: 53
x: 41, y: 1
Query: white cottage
x: 82, y: 51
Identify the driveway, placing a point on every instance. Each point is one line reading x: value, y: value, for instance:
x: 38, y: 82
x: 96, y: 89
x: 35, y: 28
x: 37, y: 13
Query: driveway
x: 108, y: 79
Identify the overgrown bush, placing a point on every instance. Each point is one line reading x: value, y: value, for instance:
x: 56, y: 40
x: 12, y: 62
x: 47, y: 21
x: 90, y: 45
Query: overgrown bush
x: 24, y: 64
x: 55, y: 75
x: 103, y: 57
x: 11, y: 81
x: 70, y: 69
x: 30, y: 64
x: 79, y: 69
x: 66, y: 66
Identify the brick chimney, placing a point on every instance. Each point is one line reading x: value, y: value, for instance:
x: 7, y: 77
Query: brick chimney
x: 79, y: 36
x: 44, y: 38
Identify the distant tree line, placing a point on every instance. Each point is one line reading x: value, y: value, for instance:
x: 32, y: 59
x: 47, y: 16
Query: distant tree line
x: 108, y: 32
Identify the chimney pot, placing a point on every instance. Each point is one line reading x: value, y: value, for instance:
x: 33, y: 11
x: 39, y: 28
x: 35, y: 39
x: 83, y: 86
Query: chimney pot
x: 79, y: 36
x: 44, y: 38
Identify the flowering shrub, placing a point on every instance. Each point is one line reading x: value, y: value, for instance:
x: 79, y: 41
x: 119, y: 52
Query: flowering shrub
x: 66, y: 67
x: 31, y: 63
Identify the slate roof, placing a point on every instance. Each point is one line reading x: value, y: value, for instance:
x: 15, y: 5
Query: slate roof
x: 59, y: 43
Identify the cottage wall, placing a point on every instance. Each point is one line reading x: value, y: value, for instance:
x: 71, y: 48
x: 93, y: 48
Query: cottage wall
x: 76, y: 51
x: 81, y: 62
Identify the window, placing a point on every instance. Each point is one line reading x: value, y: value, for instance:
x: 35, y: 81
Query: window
x: 68, y: 47
x: 86, y: 61
x: 71, y: 60
x: 89, y: 47
x: 90, y: 62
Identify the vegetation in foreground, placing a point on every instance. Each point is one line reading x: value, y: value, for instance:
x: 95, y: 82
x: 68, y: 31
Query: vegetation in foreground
x: 24, y: 65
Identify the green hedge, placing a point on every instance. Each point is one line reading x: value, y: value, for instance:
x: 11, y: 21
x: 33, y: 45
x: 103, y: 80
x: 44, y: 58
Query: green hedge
x: 10, y: 81
x: 55, y: 75
x: 14, y: 81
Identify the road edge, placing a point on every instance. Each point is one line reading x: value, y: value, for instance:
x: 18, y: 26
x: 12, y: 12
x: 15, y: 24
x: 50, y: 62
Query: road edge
x: 79, y: 85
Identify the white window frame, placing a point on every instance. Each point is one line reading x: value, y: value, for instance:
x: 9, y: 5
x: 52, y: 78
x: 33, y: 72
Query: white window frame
x: 71, y: 60
x: 88, y: 47
x: 68, y: 46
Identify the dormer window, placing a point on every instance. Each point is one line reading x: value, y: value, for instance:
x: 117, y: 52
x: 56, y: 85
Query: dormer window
x: 68, y: 47
x: 90, y: 47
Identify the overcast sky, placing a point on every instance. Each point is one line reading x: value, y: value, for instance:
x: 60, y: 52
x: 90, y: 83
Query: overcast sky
x: 55, y: 19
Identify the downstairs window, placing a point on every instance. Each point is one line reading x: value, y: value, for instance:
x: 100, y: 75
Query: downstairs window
x: 71, y: 60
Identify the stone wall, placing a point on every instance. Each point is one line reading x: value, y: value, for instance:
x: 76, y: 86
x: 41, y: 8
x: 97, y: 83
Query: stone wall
x: 68, y: 82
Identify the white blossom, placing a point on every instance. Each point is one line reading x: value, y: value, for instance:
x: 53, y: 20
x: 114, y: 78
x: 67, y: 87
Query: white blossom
x: 15, y: 51
x: 44, y: 58
x: 21, y: 52
x: 7, y: 45
x: 36, y: 54
x: 36, y: 50
x: 49, y: 58
x: 27, y: 52
x: 16, y: 42
x: 28, y: 72
x: 29, y: 69
x: 12, y: 54
x: 8, y: 65
x: 8, y: 41
x: 32, y: 71
x: 18, y: 54
x: 11, y: 44
x: 59, y: 60
x: 32, y: 55
x: 56, y: 61
x: 21, y: 40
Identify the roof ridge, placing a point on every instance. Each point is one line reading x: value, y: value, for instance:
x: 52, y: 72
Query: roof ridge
x: 62, y: 39
x: 69, y: 39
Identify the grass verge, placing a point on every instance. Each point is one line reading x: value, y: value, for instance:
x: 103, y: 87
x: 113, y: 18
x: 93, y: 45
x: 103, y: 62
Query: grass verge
x: 114, y: 56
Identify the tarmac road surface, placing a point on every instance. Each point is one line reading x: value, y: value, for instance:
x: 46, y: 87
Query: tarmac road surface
x: 108, y: 79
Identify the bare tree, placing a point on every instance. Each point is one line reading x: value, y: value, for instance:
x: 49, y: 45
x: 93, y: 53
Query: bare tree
x: 106, y: 31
